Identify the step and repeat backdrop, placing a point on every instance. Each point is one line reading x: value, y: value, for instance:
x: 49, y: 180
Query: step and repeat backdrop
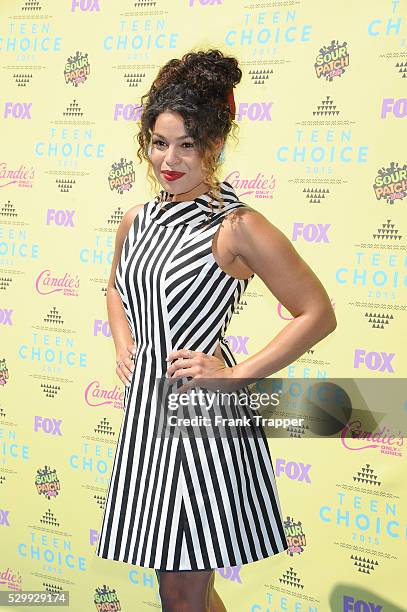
x: 321, y: 152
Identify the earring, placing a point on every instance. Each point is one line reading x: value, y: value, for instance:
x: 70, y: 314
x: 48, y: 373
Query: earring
x: 221, y: 156
x: 150, y: 149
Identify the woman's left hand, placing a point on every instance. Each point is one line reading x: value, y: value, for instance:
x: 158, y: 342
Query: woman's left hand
x: 202, y: 368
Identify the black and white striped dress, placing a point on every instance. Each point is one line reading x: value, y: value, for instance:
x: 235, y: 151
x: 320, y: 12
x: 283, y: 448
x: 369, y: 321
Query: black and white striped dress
x: 176, y: 503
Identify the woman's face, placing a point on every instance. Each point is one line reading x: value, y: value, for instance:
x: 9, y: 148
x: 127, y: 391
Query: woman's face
x: 175, y: 152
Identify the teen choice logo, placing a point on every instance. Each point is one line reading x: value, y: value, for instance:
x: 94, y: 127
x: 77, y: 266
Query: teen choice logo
x: 77, y: 69
x: 390, y: 183
x: 332, y: 60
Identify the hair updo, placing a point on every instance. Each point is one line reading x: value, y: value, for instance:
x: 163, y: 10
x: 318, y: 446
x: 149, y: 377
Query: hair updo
x: 197, y: 87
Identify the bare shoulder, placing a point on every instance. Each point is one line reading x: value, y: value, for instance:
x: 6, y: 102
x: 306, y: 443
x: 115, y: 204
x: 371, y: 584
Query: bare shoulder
x: 245, y: 217
x: 127, y: 220
x: 246, y: 224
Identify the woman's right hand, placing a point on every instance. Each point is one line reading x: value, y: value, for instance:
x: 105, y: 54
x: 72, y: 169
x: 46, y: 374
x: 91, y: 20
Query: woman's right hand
x: 125, y: 364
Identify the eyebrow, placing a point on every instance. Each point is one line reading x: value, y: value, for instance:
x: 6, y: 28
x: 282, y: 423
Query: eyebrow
x: 180, y: 138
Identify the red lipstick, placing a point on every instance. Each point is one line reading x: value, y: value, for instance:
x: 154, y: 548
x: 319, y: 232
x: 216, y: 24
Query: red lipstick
x: 171, y: 175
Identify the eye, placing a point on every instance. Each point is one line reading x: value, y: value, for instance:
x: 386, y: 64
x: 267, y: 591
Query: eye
x: 161, y: 143
x: 158, y: 142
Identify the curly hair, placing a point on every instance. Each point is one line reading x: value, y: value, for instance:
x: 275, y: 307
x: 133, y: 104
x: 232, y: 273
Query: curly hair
x: 195, y: 86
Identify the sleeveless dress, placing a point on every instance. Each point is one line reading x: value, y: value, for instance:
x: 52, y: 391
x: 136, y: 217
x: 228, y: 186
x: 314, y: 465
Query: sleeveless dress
x: 183, y: 504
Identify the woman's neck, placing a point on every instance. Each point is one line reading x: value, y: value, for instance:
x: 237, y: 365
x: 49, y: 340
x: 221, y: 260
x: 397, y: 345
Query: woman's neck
x: 197, y: 191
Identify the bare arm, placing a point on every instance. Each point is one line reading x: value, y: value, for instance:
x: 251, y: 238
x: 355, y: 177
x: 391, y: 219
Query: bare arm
x: 270, y: 254
x: 119, y: 325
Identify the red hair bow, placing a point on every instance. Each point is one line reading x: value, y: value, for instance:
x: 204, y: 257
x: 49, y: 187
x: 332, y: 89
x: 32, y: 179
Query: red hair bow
x: 231, y: 101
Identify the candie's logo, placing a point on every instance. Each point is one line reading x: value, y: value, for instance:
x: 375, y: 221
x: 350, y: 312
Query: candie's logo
x: 20, y: 177
x: 121, y: 176
x: 77, y: 69
x: 259, y: 186
x: 11, y: 580
x: 332, y: 60
x: 48, y: 282
x: 391, y: 183
x: 355, y: 437
x: 98, y: 395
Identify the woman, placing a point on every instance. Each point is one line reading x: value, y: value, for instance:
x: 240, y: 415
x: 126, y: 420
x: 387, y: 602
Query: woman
x: 182, y: 261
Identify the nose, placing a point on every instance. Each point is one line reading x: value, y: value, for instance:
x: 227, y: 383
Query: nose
x: 171, y: 156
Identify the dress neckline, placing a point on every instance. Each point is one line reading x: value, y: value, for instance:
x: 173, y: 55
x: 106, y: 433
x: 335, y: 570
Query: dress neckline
x: 195, y: 212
